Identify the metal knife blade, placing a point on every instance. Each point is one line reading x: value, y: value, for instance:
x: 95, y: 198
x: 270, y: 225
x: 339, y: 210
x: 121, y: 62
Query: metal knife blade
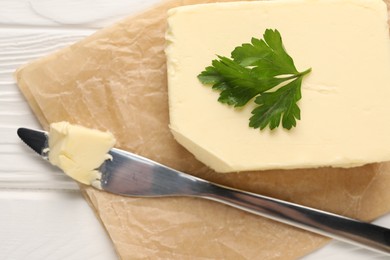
x: 36, y: 140
x: 132, y: 175
x: 127, y: 173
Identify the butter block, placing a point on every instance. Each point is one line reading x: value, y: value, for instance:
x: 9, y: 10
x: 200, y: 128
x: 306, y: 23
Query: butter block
x: 79, y: 151
x: 345, y: 108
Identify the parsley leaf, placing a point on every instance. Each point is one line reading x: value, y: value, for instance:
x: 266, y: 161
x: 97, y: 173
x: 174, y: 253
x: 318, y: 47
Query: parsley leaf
x: 253, y: 70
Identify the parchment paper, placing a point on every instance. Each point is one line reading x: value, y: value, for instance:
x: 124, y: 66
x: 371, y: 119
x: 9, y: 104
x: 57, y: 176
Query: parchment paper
x: 116, y: 80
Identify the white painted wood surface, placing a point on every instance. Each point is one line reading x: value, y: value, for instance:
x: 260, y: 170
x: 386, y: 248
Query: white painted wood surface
x: 42, y: 213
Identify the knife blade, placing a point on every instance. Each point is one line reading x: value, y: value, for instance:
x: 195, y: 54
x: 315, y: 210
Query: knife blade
x: 128, y: 174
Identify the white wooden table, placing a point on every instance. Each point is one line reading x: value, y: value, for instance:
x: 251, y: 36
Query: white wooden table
x: 42, y: 212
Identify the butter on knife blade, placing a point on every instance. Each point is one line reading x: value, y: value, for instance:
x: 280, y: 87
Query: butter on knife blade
x: 125, y: 173
x: 78, y: 151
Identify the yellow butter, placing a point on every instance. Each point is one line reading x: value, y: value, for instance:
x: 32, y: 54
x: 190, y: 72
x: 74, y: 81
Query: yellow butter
x: 79, y: 151
x: 345, y: 108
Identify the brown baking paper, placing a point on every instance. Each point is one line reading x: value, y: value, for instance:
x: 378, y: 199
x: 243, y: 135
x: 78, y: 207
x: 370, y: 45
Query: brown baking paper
x: 116, y: 80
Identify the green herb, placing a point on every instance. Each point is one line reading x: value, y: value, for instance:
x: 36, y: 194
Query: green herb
x: 252, y: 71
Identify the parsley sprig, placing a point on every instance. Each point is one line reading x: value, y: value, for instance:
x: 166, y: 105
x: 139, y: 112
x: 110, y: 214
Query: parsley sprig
x: 253, y: 70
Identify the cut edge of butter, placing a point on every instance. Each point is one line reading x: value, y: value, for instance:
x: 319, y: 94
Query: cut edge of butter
x: 219, y: 164
x: 79, y: 151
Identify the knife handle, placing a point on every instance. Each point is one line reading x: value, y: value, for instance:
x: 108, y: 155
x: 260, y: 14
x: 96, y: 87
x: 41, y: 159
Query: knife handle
x: 345, y: 229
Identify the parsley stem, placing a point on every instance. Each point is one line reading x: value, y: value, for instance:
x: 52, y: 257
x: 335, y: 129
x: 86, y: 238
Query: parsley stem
x: 299, y: 74
x: 304, y: 72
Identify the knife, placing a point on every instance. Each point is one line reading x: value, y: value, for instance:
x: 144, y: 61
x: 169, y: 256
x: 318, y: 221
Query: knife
x: 128, y: 174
